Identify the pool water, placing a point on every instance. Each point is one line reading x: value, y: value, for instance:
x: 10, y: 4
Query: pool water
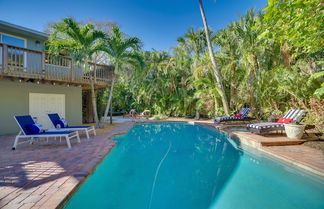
x: 240, y: 129
x: 182, y: 166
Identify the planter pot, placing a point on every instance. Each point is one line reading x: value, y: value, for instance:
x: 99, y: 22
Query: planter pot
x: 294, y: 131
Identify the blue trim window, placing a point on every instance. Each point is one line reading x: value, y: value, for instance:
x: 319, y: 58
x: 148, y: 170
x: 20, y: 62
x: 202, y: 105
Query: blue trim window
x: 16, y: 56
x: 11, y: 40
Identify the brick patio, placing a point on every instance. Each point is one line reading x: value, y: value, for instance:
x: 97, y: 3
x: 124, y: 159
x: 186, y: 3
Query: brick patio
x: 42, y: 175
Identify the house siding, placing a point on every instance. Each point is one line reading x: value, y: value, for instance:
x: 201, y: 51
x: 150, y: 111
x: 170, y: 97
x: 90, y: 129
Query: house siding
x: 14, y: 100
x: 31, y: 44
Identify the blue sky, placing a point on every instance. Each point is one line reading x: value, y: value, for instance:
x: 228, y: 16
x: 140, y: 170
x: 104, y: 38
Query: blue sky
x: 157, y: 22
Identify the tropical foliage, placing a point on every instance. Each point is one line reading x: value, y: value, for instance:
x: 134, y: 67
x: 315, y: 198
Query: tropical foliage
x: 269, y: 64
x: 80, y: 42
x: 269, y: 60
x: 123, y: 54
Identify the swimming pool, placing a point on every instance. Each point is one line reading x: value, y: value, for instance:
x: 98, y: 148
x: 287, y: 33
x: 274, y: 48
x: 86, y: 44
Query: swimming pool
x: 182, y: 166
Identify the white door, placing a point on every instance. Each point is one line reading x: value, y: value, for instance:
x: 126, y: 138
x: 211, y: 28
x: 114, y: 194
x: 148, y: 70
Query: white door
x: 42, y: 104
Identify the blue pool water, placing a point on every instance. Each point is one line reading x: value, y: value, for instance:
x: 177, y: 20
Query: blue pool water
x: 240, y: 129
x: 182, y: 166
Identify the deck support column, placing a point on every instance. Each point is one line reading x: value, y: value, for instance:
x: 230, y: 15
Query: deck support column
x: 43, y: 65
x: 5, y: 57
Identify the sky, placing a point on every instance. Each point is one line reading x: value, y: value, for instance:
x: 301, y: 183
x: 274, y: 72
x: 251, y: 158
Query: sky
x: 158, y: 23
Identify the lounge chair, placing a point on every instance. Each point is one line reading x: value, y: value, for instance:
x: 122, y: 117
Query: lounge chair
x: 54, y: 118
x: 145, y: 114
x: 26, y: 120
x: 261, y: 128
x: 132, y: 113
x: 244, y: 112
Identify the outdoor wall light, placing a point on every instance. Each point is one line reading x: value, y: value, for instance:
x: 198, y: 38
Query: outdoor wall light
x: 37, y: 43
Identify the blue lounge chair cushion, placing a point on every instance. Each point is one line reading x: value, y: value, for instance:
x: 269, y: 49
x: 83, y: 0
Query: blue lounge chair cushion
x: 24, y: 121
x: 35, y: 128
x: 77, y: 127
x: 61, y: 123
x: 57, y: 120
x: 56, y: 133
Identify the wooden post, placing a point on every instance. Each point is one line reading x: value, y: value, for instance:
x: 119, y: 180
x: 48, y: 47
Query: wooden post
x: 43, y: 71
x: 72, y: 70
x: 5, y: 57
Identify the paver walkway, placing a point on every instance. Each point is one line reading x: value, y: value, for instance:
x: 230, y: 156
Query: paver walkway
x: 42, y: 175
x: 303, y: 156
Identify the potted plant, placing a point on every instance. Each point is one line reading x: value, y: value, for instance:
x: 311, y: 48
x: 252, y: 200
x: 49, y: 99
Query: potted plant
x: 294, y: 130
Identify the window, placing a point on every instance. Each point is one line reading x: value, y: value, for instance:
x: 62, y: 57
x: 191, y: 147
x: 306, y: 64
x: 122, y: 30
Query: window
x: 14, y: 41
x: 16, y: 57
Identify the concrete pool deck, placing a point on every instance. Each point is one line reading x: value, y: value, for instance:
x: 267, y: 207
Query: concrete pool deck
x: 43, y: 175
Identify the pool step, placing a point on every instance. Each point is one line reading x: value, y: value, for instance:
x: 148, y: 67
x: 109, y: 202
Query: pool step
x: 282, y: 143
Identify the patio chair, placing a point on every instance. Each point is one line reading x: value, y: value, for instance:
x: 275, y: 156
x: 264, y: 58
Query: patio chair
x: 243, y: 117
x: 261, y: 128
x: 55, y: 119
x: 132, y: 114
x: 25, y: 121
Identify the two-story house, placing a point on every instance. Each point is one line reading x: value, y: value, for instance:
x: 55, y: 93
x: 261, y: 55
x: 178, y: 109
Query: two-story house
x: 33, y: 82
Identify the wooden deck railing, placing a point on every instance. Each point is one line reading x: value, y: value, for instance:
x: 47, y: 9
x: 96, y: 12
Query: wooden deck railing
x: 31, y: 64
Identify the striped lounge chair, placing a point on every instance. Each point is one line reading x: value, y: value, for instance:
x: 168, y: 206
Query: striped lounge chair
x: 244, y: 112
x: 261, y: 128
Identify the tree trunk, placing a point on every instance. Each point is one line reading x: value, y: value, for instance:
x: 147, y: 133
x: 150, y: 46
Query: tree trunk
x: 109, y: 99
x: 232, y: 87
x: 216, y: 106
x: 251, y: 80
x: 197, y: 115
x: 284, y: 49
x: 213, y: 60
x: 94, y: 103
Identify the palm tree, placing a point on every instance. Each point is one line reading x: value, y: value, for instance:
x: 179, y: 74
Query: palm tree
x: 213, y: 60
x: 81, y: 42
x: 122, y: 51
x: 229, y: 53
x: 250, y: 48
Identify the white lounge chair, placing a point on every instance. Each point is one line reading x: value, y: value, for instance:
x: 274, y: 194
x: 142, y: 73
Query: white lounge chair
x: 54, y: 118
x: 26, y: 120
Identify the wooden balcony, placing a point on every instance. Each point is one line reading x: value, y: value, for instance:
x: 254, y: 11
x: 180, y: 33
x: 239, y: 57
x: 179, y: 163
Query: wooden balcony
x: 36, y: 66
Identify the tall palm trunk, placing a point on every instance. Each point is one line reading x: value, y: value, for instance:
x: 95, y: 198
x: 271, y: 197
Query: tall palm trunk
x: 94, y: 103
x: 254, y: 67
x: 109, y: 98
x: 213, y: 60
x: 232, y: 86
x: 93, y: 94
